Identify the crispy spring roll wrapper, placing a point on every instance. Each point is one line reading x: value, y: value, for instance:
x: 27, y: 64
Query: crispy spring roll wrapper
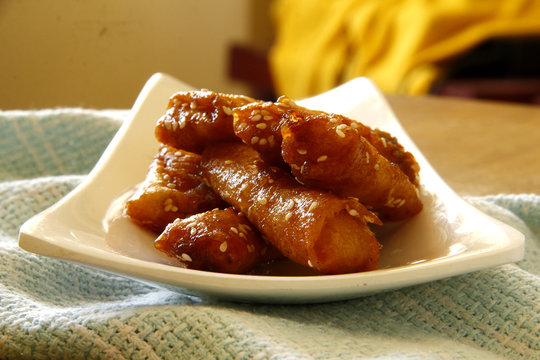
x: 311, y: 227
x: 195, y: 118
x: 173, y: 188
x: 334, y: 156
x: 216, y: 240
x: 259, y: 125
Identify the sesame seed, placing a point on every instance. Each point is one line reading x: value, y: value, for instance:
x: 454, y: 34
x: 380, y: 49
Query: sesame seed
x: 288, y: 216
x: 254, y: 139
x: 241, y: 126
x: 354, y: 125
x: 289, y: 205
x: 313, y: 206
x: 228, y: 162
x: 262, y: 201
x: 193, y: 231
x: 265, y: 112
x: 261, y: 126
x: 223, y: 246
x: 168, y: 201
x: 268, y: 117
x: 309, y: 263
x: 376, y: 167
x: 186, y: 257
x: 182, y: 124
x: 174, y: 208
x: 295, y: 167
x: 167, y: 207
x: 171, y: 185
x: 367, y: 158
x: 256, y: 117
x: 340, y: 133
x: 234, y: 230
x: 322, y: 158
x: 270, y: 181
x: 168, y: 125
x: 271, y: 139
x: 190, y: 225
x: 302, y: 151
x: 383, y: 141
x: 298, y: 181
x: 262, y: 141
x: 177, y: 153
x: 227, y: 110
x: 242, y: 235
x: 244, y: 227
x: 341, y: 127
x: 353, y: 212
x: 193, y: 105
x: 167, y: 177
x: 174, y: 125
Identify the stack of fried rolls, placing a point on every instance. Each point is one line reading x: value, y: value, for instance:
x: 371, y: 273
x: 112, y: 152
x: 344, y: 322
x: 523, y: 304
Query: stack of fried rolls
x: 240, y: 182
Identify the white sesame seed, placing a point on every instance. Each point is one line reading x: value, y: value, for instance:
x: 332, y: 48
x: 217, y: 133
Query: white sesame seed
x: 295, y: 167
x: 241, y: 126
x: 298, y: 181
x: 262, y: 141
x: 262, y: 201
x: 341, y: 127
x: 168, y: 201
x: 313, y: 206
x: 367, y: 158
x: 174, y: 125
x: 167, y: 207
x: 174, y: 208
x: 190, y: 225
x: 245, y: 227
x: 268, y: 117
x: 354, y: 125
x: 193, y: 105
x: 227, y: 110
x: 309, y: 263
x: 242, y: 235
x: 182, y: 124
x: 193, y: 231
x: 168, y: 125
x: 376, y: 167
x: 261, y: 126
x: 234, y: 230
x: 254, y: 139
x: 177, y: 153
x: 256, y: 117
x: 340, y: 133
x: 322, y: 158
x: 171, y: 185
x: 186, y: 257
x: 288, y: 216
x: 353, y: 212
x: 228, y: 162
x: 271, y: 139
x: 223, y: 246
x: 302, y: 151
x: 290, y: 205
x: 383, y: 141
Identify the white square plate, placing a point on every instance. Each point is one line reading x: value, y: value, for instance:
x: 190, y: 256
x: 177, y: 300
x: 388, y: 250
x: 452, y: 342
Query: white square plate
x: 447, y: 238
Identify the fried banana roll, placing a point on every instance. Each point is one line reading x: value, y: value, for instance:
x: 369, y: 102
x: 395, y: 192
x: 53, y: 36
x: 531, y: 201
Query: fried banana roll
x: 259, y: 125
x: 216, y: 240
x: 334, y: 156
x: 173, y: 188
x: 311, y: 227
x: 195, y: 118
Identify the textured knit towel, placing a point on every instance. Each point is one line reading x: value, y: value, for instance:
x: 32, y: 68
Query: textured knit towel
x: 54, y: 309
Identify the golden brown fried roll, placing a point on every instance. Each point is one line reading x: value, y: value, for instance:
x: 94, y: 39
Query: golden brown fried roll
x: 333, y: 155
x: 173, y: 188
x: 309, y: 226
x: 216, y: 240
x: 259, y: 125
x: 195, y: 118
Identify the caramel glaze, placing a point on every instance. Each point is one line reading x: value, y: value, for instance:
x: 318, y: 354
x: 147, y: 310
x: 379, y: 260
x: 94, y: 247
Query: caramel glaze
x: 311, y: 227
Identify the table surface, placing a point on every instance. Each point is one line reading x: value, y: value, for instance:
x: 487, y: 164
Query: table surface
x: 477, y: 147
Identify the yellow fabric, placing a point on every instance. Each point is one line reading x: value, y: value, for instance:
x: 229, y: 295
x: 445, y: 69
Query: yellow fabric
x: 399, y: 44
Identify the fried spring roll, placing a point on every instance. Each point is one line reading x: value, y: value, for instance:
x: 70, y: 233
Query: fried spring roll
x: 334, y: 156
x: 310, y: 227
x: 259, y: 125
x: 216, y: 240
x: 173, y: 188
x: 195, y: 118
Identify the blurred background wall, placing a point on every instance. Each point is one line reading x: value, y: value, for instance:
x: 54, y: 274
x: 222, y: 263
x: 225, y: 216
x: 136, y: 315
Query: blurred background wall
x: 99, y: 53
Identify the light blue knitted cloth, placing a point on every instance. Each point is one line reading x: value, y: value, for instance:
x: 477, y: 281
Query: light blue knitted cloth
x: 53, y: 309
